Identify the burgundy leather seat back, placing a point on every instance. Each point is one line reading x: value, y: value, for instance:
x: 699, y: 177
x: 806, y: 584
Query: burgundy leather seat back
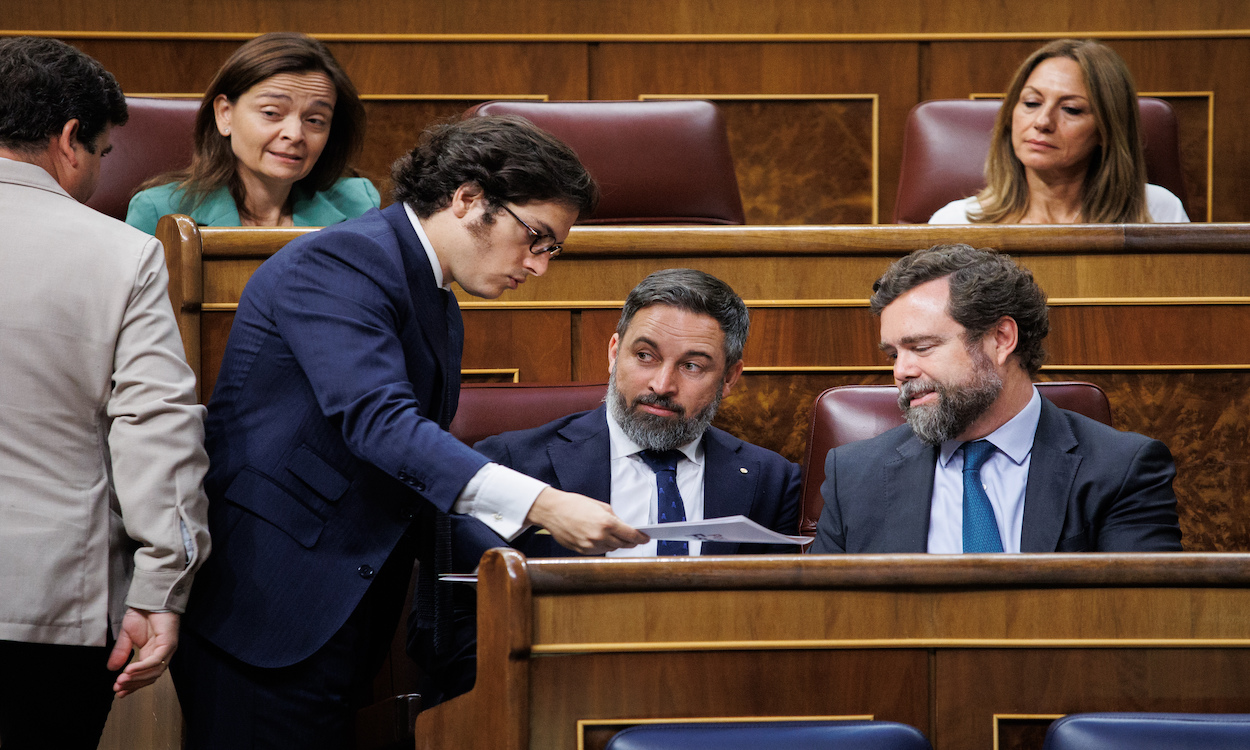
x: 857, y: 412
x: 655, y: 161
x: 945, y: 143
x: 157, y: 138
x: 489, y: 409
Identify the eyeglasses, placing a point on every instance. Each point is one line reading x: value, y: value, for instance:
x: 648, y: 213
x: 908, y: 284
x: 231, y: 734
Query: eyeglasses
x: 553, y: 250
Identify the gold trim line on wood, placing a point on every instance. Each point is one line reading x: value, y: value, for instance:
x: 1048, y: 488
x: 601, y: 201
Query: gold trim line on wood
x: 563, y: 649
x: 802, y: 303
x: 379, y: 97
x: 515, y: 372
x: 949, y: 36
x: 454, y: 97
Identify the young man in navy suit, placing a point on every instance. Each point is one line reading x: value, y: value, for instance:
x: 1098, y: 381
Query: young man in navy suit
x: 676, y: 353
x: 984, y: 463
x: 332, y: 467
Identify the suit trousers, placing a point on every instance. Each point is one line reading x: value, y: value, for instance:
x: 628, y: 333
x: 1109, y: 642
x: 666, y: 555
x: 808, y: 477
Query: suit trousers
x: 54, y: 696
x: 231, y: 705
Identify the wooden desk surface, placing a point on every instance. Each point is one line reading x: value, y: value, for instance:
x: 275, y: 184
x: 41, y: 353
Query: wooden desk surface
x: 967, y: 648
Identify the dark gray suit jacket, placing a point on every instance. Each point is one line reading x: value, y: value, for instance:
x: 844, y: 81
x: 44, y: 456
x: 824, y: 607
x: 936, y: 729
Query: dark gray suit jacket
x: 1091, y: 488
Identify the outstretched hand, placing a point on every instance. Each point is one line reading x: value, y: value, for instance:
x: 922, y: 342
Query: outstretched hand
x: 155, y: 636
x: 581, y: 523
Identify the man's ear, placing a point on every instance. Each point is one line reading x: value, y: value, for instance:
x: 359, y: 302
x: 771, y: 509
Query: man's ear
x: 613, y: 343
x: 64, y: 143
x: 467, y: 196
x: 1004, y: 337
x: 732, y: 373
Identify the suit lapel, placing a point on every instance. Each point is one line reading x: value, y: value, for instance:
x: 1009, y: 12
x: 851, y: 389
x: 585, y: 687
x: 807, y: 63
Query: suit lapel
x: 728, y: 490
x: 583, y: 461
x: 1052, y: 471
x: 908, y: 492
x: 428, y: 306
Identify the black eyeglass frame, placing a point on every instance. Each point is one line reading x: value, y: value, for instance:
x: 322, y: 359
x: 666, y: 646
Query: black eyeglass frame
x: 553, y: 251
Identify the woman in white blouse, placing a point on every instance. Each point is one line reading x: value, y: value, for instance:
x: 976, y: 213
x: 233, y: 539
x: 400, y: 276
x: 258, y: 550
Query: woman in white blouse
x: 1067, y: 148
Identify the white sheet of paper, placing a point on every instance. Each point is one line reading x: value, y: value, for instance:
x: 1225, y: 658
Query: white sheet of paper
x: 725, y: 529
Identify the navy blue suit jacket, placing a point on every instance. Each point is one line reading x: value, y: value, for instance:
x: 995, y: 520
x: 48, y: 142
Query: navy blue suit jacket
x: 326, y: 434
x: 572, y: 454
x: 1091, y: 488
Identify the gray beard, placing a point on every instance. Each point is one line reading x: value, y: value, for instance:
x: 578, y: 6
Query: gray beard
x: 957, y: 407
x: 653, y: 432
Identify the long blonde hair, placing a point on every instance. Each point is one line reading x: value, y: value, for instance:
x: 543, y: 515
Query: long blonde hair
x: 1114, y: 191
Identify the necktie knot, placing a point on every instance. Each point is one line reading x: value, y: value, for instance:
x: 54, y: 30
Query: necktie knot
x: 977, y: 453
x: 659, y: 461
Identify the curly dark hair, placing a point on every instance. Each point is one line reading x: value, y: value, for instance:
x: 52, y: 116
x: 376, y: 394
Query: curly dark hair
x: 508, y: 157
x: 44, y: 84
x: 985, y: 286
x: 696, y: 292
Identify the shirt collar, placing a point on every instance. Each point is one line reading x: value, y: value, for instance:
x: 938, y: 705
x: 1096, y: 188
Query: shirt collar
x: 429, y: 249
x: 1014, y: 438
x: 620, y: 446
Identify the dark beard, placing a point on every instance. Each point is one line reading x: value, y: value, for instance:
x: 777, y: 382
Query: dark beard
x: 651, y: 431
x: 958, y: 405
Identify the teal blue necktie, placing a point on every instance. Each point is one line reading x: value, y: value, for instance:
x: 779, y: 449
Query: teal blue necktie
x: 980, y: 528
x: 670, y: 508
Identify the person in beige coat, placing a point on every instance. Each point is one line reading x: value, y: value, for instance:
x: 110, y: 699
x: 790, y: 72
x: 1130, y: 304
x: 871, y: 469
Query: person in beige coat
x: 102, y: 512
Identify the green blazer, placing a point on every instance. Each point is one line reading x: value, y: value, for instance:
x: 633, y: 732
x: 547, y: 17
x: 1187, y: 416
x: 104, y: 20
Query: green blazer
x: 346, y: 199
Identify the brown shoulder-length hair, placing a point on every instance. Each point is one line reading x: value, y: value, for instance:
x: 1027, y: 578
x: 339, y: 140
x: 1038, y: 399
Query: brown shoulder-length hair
x: 1115, y: 185
x: 213, y: 163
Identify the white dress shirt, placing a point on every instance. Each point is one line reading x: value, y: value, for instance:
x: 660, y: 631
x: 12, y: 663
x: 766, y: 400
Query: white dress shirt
x: 1004, y: 475
x: 497, y: 496
x: 634, y: 494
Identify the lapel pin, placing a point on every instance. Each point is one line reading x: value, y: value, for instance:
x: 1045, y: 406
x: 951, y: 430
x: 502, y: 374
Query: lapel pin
x: 743, y: 470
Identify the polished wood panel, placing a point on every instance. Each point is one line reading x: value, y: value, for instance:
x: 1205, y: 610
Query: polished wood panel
x: 536, y: 342
x: 640, y: 17
x: 901, y: 637
x: 1063, y: 681
x: 622, y: 71
x: 150, y: 719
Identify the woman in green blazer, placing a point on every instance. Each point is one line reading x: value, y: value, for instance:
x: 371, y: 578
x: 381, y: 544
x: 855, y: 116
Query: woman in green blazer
x: 273, y: 138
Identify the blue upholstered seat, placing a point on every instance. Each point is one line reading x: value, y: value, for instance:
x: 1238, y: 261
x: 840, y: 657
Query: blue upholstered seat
x: 772, y: 735
x: 1145, y: 731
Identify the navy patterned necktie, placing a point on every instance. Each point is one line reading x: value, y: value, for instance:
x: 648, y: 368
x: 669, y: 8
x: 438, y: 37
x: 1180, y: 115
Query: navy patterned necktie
x: 980, y: 528
x: 670, y: 507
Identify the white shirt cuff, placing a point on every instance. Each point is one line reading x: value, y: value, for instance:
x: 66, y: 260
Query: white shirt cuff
x: 499, y: 497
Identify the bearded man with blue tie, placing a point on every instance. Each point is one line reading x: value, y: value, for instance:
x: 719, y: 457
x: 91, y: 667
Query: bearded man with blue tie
x: 984, y: 463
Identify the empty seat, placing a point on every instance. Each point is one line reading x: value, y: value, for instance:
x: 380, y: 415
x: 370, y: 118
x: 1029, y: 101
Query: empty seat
x: 655, y: 161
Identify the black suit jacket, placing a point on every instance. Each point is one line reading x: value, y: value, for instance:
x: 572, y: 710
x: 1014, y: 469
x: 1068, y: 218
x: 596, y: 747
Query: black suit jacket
x: 1091, y: 488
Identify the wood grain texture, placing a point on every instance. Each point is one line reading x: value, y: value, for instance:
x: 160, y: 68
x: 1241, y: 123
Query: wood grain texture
x: 537, y: 342
x: 977, y: 684
x: 888, y: 70
x: 744, y: 684
x: 803, y: 161
x: 640, y: 17
x: 1097, y: 616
